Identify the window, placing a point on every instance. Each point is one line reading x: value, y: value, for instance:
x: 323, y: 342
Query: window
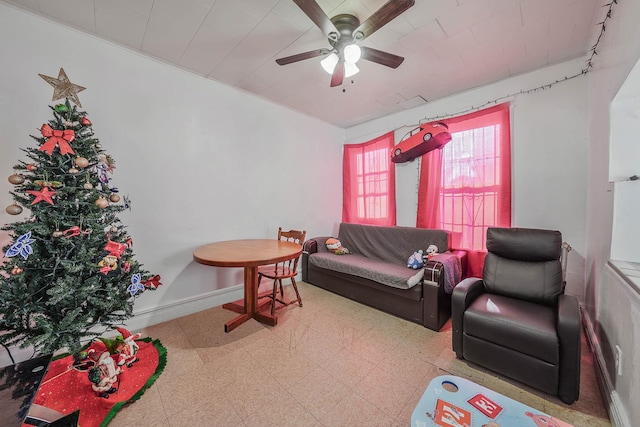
x: 369, y: 182
x: 473, y: 184
x: 467, y: 187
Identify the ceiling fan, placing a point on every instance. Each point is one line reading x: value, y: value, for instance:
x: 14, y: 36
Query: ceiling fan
x: 344, y: 32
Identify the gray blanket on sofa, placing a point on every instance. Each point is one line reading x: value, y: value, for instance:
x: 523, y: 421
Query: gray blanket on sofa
x: 390, y: 274
x: 392, y: 244
x: 380, y: 253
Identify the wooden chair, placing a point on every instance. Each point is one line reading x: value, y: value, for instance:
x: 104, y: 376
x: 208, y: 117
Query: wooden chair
x: 283, y: 270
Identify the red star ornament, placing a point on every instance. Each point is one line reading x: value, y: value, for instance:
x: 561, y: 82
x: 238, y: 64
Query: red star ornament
x: 45, y: 194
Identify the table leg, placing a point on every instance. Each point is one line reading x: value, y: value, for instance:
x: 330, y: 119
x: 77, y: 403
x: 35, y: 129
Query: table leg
x: 235, y: 322
x: 250, y: 309
x: 265, y: 316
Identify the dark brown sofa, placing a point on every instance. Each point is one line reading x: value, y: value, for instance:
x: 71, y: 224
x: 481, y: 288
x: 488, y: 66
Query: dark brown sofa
x: 376, y: 273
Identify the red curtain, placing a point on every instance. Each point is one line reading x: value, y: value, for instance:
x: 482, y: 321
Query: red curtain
x: 429, y: 190
x: 473, y: 191
x: 368, y: 181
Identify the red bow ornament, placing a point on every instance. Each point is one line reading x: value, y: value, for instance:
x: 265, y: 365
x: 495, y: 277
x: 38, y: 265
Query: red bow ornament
x: 152, y: 283
x: 114, y: 248
x: 60, y: 138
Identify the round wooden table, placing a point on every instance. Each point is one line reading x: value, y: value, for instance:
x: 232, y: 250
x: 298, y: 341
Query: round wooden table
x: 248, y: 254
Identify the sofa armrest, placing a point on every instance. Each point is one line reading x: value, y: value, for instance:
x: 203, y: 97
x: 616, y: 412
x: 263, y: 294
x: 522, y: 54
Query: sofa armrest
x: 311, y: 246
x: 462, y: 256
x: 440, y: 277
x: 315, y: 244
x: 569, y: 332
x: 463, y: 295
x: 436, y: 304
x: 434, y: 272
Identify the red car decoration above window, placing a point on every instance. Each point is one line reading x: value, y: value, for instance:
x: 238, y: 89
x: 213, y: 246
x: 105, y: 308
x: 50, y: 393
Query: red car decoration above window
x: 421, y: 140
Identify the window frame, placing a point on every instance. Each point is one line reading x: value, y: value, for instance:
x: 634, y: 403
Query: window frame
x: 369, y: 182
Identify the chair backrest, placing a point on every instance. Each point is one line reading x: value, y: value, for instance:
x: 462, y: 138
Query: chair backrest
x: 524, y: 263
x: 295, y: 236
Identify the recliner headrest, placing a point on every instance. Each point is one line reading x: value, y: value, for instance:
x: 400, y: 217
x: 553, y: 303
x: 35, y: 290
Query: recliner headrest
x: 525, y: 244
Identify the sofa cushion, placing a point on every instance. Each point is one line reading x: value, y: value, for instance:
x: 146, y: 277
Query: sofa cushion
x: 396, y: 275
x: 518, y: 325
x: 391, y: 244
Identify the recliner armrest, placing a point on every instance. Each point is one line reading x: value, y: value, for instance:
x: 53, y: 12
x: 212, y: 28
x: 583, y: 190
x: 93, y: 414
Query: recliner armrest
x: 569, y: 334
x: 463, y: 295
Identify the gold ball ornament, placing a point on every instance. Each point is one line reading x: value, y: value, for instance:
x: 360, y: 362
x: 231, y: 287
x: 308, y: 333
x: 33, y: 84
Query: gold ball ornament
x: 81, y: 162
x: 73, y: 170
x: 57, y: 233
x: 114, y: 198
x: 114, y: 229
x: 102, y: 203
x: 16, y: 179
x: 14, y: 209
x: 88, y: 186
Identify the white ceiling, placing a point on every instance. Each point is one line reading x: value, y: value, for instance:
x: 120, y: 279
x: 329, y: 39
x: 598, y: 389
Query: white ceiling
x: 449, y: 45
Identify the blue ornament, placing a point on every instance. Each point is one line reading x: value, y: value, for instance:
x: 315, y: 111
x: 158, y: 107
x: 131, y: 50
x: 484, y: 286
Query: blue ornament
x: 22, y: 246
x: 136, y: 285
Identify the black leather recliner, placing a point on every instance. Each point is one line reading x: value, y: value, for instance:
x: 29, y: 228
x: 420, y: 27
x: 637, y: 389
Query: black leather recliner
x: 516, y: 320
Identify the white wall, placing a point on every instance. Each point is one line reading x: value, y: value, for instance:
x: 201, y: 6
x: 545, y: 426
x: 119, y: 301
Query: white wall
x: 614, y: 315
x: 549, y: 153
x: 200, y: 161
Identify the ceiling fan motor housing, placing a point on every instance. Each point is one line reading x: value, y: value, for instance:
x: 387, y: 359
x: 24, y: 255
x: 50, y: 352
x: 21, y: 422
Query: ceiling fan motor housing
x: 345, y: 24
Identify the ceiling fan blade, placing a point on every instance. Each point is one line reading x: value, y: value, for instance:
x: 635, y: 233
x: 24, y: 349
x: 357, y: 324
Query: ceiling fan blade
x: 380, y: 57
x: 301, y: 56
x: 317, y: 15
x: 381, y: 17
x: 338, y: 74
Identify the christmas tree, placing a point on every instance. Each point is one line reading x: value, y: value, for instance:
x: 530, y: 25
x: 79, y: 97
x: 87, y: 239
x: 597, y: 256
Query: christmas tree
x: 70, y: 272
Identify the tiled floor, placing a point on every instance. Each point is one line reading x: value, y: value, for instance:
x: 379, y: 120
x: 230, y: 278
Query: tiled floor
x: 333, y: 362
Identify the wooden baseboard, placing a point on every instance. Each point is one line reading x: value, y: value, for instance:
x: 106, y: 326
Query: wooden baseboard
x: 617, y: 414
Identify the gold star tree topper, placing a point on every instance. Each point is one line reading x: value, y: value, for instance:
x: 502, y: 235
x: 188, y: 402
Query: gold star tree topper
x: 63, y: 88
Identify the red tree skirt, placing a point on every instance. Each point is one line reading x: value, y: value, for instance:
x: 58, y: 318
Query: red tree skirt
x: 67, y: 390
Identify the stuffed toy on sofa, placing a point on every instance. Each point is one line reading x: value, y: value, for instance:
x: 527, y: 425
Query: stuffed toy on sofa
x: 416, y: 260
x: 432, y: 251
x: 334, y: 245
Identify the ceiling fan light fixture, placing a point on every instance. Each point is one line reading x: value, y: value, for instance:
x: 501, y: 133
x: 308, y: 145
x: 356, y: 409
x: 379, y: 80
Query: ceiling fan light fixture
x: 344, y: 33
x: 352, y: 53
x: 329, y: 63
x: 350, y: 69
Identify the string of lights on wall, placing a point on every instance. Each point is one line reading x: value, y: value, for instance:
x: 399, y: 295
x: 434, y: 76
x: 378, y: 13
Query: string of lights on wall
x: 585, y: 70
